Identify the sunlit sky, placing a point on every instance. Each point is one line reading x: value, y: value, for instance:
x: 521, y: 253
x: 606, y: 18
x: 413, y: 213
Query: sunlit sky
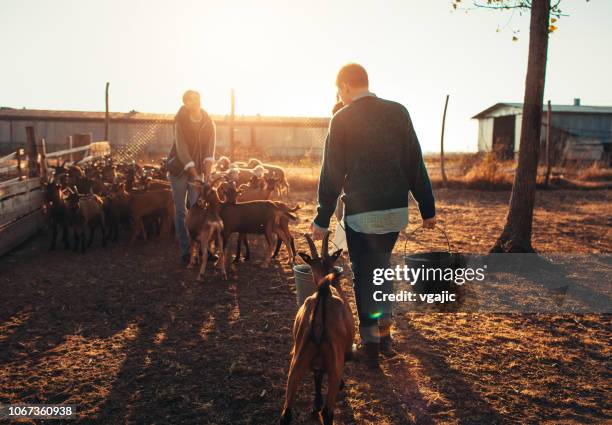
x: 281, y: 57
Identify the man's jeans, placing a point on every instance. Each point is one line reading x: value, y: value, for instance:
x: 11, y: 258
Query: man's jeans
x: 180, y: 189
x: 368, y: 252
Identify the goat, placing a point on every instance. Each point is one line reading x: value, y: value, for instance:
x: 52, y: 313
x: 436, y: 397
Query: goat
x: 57, y: 210
x: 258, y: 217
x: 273, y: 171
x: 255, y: 191
x: 222, y: 164
x: 258, y: 192
x: 76, y: 177
x: 244, y: 175
x: 155, y: 202
x: 149, y: 183
x: 229, y: 192
x: 323, y: 334
x: 116, y: 209
x: 85, y: 211
x: 204, y: 225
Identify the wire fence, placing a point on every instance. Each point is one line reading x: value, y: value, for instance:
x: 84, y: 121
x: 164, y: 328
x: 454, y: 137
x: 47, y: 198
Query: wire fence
x: 265, y: 138
x: 137, y: 146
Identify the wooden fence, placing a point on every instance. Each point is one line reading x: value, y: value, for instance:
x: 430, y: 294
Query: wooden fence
x: 21, y: 192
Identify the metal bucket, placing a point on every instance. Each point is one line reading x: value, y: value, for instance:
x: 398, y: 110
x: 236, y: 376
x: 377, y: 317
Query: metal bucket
x: 304, y: 283
x: 429, y: 262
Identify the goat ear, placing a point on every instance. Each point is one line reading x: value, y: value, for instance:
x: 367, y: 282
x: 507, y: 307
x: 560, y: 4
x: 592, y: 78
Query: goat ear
x: 335, y: 255
x: 307, y: 259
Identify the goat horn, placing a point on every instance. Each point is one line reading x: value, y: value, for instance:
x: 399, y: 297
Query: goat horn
x: 311, y: 244
x: 325, y: 247
x: 215, y: 181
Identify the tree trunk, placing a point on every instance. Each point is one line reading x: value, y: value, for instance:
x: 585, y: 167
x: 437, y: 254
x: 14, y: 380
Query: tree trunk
x: 442, y: 170
x: 516, y: 236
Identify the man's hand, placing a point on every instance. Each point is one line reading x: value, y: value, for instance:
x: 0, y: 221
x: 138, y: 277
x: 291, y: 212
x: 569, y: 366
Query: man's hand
x: 193, y: 173
x: 429, y: 223
x: 317, y: 232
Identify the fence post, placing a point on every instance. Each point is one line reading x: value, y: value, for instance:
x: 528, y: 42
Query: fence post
x: 32, y: 152
x: 18, y: 154
x: 548, y: 143
x: 106, y: 114
x: 78, y: 140
x: 69, y: 141
x: 232, y: 148
x: 42, y: 149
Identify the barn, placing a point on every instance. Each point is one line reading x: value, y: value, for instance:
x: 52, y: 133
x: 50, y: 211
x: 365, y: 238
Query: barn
x: 578, y: 132
x: 137, y: 133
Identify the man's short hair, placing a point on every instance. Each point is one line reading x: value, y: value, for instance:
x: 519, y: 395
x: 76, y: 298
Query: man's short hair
x: 352, y: 74
x: 189, y: 93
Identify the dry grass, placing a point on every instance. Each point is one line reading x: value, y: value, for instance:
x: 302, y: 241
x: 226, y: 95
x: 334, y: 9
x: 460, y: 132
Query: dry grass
x: 595, y: 172
x: 478, y: 171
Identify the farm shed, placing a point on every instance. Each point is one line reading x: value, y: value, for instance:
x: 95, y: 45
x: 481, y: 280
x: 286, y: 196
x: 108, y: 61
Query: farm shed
x: 137, y: 133
x: 578, y: 132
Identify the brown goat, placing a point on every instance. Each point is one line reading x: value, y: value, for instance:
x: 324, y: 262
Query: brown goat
x: 280, y: 227
x: 323, y: 334
x: 149, y: 203
x: 85, y: 211
x: 204, y: 225
x: 116, y: 209
x: 255, y: 217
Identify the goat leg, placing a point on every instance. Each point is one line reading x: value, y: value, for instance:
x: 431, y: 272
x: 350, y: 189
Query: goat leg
x: 237, y: 257
x: 269, y: 247
x: 293, y: 251
x: 136, y: 224
x: 143, y: 229
x: 83, y: 237
x: 288, y: 240
x: 334, y: 378
x: 204, y: 238
x: 318, y: 401
x: 296, y: 371
x: 65, y: 236
x: 103, y: 229
x: 279, y: 242
x: 92, y: 232
x: 76, y: 240
x: 247, y: 255
x: 193, y: 257
x: 53, y: 236
x: 221, y: 251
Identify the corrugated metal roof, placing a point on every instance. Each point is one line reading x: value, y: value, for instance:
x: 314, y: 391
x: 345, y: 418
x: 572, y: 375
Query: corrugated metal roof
x: 52, y: 115
x: 581, y: 109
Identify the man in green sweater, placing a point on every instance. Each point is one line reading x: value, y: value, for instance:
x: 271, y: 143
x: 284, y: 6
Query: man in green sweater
x: 373, y: 154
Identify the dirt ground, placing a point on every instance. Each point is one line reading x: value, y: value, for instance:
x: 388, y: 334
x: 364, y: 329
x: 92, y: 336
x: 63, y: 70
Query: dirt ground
x: 128, y: 336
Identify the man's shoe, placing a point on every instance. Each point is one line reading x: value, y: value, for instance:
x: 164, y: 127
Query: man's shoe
x: 185, y: 259
x: 386, y: 348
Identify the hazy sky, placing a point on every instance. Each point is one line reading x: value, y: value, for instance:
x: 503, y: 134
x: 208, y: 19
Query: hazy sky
x: 282, y: 56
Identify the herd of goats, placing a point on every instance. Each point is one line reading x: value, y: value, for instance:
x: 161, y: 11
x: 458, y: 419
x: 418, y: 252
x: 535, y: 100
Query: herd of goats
x: 108, y: 195
x: 235, y: 199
